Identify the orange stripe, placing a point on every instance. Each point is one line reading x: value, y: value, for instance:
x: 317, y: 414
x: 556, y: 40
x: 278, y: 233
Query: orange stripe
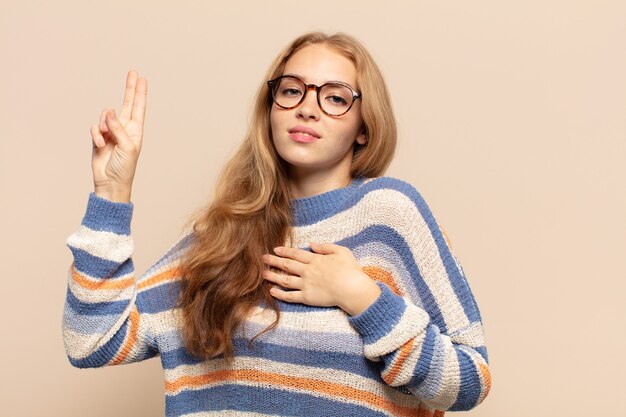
x: 168, y: 274
x: 424, y: 411
x: 132, y: 338
x: 405, y: 351
x: 120, y: 284
x: 308, y: 384
x: 484, y: 371
x: 104, y: 284
x: 383, y: 276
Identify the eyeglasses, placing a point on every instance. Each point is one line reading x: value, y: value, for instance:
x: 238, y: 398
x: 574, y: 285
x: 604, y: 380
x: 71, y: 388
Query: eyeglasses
x: 334, y: 98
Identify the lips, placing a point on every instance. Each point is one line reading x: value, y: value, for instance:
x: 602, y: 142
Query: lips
x: 305, y: 131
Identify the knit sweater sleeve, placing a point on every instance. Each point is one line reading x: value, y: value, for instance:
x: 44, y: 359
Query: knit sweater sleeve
x: 106, y: 316
x: 432, y: 344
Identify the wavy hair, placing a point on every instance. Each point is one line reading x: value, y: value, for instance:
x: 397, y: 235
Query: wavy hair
x: 250, y: 212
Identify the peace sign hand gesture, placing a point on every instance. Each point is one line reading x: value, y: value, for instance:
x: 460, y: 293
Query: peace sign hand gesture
x: 117, y: 142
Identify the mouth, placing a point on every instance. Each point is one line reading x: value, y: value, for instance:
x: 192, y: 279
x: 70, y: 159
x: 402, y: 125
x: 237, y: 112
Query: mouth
x: 304, y: 132
x: 303, y: 137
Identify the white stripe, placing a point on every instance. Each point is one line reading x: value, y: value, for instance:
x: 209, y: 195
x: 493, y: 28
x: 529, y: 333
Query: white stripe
x: 472, y: 335
x: 103, y: 244
x: 333, y: 320
x: 79, y: 345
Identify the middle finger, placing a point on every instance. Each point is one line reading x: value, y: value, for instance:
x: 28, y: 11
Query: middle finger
x: 285, y: 264
x: 285, y: 281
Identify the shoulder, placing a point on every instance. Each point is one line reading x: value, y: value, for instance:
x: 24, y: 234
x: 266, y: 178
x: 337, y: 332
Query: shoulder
x: 398, y: 199
x: 404, y: 205
x: 395, y: 192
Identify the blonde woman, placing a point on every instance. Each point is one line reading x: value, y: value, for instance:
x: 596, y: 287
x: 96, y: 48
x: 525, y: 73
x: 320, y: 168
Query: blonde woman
x: 311, y: 284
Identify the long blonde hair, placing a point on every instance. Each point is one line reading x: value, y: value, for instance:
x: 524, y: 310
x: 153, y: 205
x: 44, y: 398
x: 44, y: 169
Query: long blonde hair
x: 251, y: 213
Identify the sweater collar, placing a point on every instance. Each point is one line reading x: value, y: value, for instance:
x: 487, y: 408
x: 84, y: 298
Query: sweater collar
x: 309, y: 210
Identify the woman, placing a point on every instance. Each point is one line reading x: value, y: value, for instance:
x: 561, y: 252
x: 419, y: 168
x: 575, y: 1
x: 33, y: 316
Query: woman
x: 311, y: 285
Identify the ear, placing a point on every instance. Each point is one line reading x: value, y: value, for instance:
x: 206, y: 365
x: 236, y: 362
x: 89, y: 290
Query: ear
x: 362, y: 138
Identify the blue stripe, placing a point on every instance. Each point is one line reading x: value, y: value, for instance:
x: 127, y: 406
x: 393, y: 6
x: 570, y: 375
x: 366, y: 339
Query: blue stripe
x: 470, y: 383
x: 483, y: 352
x: 87, y: 324
x: 425, y: 361
x: 355, y: 364
x: 296, y: 307
x: 430, y: 377
x: 172, y: 358
x: 105, y: 353
x: 274, y: 401
x: 351, y: 343
x: 105, y: 215
x: 95, y: 309
x: 457, y: 279
x: 309, y: 210
x: 100, y: 268
x: 160, y: 298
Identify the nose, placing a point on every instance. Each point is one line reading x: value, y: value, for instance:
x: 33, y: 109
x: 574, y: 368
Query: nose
x: 309, y: 108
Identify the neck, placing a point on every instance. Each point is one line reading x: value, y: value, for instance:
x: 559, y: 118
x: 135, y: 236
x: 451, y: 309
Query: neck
x: 304, y: 184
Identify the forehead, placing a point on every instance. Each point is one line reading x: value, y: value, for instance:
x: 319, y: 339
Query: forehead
x: 318, y: 64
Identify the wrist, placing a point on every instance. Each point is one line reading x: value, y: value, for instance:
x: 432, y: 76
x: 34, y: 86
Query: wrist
x: 362, y: 295
x: 117, y: 194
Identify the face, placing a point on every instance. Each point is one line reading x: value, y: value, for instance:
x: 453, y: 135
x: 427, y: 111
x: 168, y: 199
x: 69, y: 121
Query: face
x: 331, y: 152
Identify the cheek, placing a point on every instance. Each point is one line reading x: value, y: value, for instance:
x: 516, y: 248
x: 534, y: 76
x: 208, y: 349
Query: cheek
x: 350, y: 131
x: 275, y: 120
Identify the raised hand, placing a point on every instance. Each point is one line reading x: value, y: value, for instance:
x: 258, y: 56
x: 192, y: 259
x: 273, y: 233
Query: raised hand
x: 117, y: 142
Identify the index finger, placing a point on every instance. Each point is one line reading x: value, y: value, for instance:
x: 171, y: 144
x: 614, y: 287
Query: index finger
x: 297, y: 254
x: 129, y: 95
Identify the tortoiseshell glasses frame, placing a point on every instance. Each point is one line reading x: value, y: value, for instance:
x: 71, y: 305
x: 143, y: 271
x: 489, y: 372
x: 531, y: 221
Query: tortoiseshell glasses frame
x: 273, y: 84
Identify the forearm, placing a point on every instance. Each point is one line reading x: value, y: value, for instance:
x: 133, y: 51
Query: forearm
x: 101, y: 322
x: 445, y: 374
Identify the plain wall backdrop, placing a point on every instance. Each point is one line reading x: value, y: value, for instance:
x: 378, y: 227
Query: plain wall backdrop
x: 512, y: 125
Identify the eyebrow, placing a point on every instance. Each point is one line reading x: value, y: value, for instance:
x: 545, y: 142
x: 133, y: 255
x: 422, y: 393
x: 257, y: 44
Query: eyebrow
x: 326, y: 82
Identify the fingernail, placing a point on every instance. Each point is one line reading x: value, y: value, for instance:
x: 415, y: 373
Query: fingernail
x: 112, y: 114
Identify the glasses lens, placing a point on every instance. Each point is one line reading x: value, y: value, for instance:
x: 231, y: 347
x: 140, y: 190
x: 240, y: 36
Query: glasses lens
x: 288, y: 91
x: 335, y: 98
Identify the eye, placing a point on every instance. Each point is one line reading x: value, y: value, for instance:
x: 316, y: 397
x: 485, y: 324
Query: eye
x: 290, y: 92
x: 337, y: 100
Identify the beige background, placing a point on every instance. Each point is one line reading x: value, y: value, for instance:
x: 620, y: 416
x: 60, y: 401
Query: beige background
x: 512, y: 120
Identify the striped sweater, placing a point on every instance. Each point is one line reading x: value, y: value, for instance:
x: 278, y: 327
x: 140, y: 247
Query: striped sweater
x: 418, y: 350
